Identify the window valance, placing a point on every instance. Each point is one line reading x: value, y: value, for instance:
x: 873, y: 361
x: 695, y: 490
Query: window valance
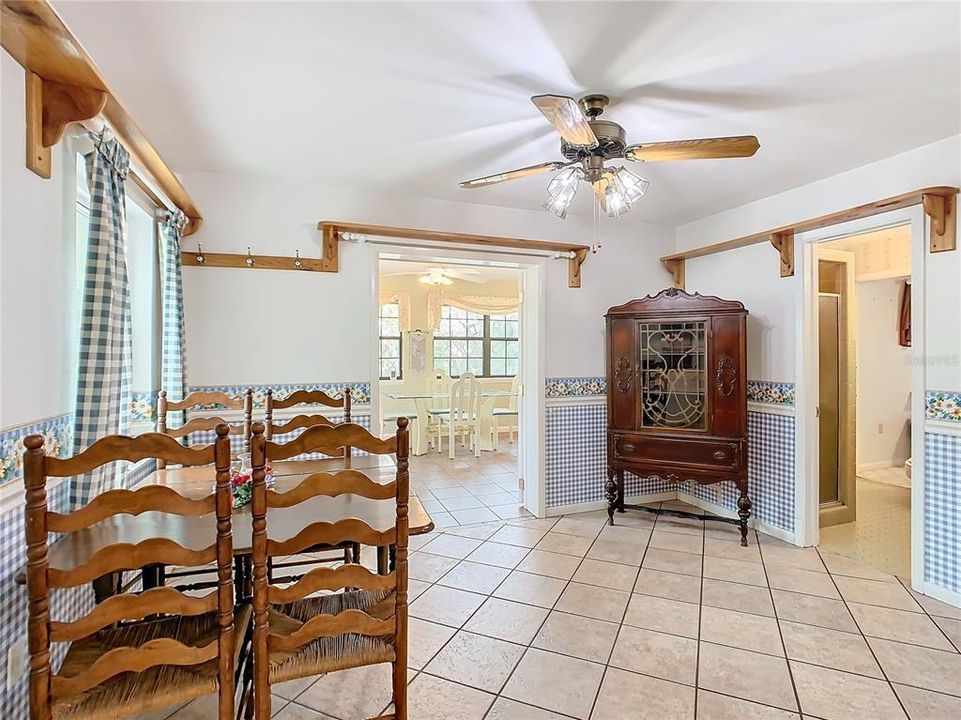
x: 483, y: 304
x: 403, y: 306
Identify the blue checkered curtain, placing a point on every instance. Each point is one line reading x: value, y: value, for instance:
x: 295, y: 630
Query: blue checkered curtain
x: 173, y: 365
x: 105, y: 363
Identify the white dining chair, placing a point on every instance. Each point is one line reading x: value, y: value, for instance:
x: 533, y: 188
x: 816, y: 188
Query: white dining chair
x: 462, y: 415
x: 440, y: 383
x: 510, y: 412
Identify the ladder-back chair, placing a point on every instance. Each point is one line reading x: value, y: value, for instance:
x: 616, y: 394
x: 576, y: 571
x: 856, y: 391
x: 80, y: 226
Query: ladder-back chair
x: 202, y: 400
x: 362, y: 618
x: 305, y: 397
x: 131, y: 653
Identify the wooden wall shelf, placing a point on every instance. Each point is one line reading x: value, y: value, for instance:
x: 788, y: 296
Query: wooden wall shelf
x: 939, y: 203
x: 64, y: 85
x: 577, y: 254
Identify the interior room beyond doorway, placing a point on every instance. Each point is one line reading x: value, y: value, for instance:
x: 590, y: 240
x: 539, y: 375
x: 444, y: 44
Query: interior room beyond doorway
x: 864, y: 318
x: 449, y: 359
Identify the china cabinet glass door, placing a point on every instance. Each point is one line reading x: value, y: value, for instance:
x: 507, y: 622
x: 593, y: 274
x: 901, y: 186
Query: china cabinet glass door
x: 673, y: 368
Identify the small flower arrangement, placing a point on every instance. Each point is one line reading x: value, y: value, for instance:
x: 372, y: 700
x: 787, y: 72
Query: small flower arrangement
x: 242, y: 485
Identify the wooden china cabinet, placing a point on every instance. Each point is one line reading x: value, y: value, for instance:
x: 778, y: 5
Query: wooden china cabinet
x: 677, y: 394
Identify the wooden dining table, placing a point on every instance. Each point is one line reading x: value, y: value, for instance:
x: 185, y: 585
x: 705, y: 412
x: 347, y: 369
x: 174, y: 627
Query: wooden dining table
x: 283, y: 523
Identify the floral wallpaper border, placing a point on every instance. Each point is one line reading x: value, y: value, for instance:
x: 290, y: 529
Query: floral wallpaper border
x: 575, y: 386
x: 359, y: 391
x: 759, y: 391
x: 58, y: 440
x: 942, y: 405
x: 771, y: 393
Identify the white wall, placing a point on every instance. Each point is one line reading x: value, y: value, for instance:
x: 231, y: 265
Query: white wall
x: 883, y: 375
x: 37, y: 261
x: 756, y: 278
x: 317, y: 324
x: 752, y: 275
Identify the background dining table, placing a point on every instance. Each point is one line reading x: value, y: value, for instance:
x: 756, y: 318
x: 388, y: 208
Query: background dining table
x: 198, y: 532
x: 421, y: 400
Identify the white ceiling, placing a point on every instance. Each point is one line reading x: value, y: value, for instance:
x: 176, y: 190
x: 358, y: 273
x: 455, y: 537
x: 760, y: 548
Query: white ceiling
x: 424, y: 95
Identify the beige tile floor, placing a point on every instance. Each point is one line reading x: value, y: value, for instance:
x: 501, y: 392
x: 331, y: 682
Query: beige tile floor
x: 653, y: 619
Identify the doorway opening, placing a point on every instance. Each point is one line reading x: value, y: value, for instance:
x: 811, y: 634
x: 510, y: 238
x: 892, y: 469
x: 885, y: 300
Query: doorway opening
x: 456, y: 342
x: 863, y: 316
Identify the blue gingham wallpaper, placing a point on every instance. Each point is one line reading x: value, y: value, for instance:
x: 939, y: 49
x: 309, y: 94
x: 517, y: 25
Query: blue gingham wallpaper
x: 942, y: 511
x: 575, y: 457
x: 576, y: 464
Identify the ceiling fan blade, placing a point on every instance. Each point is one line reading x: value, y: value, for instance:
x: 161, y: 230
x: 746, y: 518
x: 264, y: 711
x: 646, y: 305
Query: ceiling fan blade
x: 703, y: 149
x: 565, y: 115
x: 512, y: 174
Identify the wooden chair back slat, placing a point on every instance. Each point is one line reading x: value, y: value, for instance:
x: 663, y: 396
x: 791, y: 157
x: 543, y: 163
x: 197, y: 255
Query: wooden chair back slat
x: 306, y: 397
x: 202, y: 424
x: 152, y: 498
x: 393, y: 587
x: 328, y: 440
x: 131, y: 449
x: 324, y: 533
x: 201, y: 399
x: 296, y: 423
x: 343, y: 482
x: 40, y: 522
x: 127, y: 556
x: 163, y: 651
x: 119, y: 608
x: 346, y: 621
x: 345, y: 576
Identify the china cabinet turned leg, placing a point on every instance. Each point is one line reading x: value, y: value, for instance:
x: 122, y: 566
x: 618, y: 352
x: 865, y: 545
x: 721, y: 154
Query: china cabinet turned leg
x: 610, y: 491
x: 744, y: 512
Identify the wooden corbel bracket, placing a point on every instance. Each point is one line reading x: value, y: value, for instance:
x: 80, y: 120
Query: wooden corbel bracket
x: 942, y: 209
x: 574, y: 268
x: 51, y: 106
x: 676, y: 268
x: 783, y: 242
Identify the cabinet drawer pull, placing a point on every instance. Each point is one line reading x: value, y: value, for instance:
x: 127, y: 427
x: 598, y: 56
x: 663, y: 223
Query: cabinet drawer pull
x: 629, y: 448
x: 720, y: 454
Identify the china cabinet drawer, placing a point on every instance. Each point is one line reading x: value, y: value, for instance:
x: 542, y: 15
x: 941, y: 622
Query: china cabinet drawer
x: 706, y: 453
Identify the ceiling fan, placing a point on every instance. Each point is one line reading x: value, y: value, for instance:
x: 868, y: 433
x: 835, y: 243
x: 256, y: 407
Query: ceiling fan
x: 444, y: 275
x: 587, y: 142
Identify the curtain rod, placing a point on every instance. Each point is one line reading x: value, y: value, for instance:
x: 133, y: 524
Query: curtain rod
x: 362, y: 239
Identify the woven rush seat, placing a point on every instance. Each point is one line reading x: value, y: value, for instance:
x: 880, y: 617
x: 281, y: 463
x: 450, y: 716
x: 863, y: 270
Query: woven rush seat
x: 328, y: 654
x: 160, y: 686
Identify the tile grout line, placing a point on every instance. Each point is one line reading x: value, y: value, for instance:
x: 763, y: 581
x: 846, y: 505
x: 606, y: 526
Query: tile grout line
x: 780, y: 632
x: 952, y: 643
x: 864, y: 637
x: 620, y: 625
x: 700, y: 621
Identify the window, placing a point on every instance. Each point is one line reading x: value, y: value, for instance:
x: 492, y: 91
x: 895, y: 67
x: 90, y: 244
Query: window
x: 390, y: 342
x: 143, y: 277
x: 486, y: 345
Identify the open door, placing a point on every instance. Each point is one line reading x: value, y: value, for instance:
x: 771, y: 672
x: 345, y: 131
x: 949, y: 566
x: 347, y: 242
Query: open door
x: 837, y: 388
x: 530, y: 406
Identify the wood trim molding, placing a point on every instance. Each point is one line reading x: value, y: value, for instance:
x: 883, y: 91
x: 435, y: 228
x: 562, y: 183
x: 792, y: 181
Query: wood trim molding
x: 939, y: 203
x: 64, y: 85
x: 331, y: 229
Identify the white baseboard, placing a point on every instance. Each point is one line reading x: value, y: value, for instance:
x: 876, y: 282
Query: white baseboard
x: 759, y: 525
x: 877, y: 465
x: 943, y: 594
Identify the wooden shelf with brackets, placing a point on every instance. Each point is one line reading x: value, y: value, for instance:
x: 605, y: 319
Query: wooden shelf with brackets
x: 940, y: 205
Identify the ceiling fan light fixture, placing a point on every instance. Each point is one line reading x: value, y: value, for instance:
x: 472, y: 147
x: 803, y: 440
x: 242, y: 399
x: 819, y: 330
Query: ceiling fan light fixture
x: 435, y: 276
x: 561, y: 191
x: 632, y: 186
